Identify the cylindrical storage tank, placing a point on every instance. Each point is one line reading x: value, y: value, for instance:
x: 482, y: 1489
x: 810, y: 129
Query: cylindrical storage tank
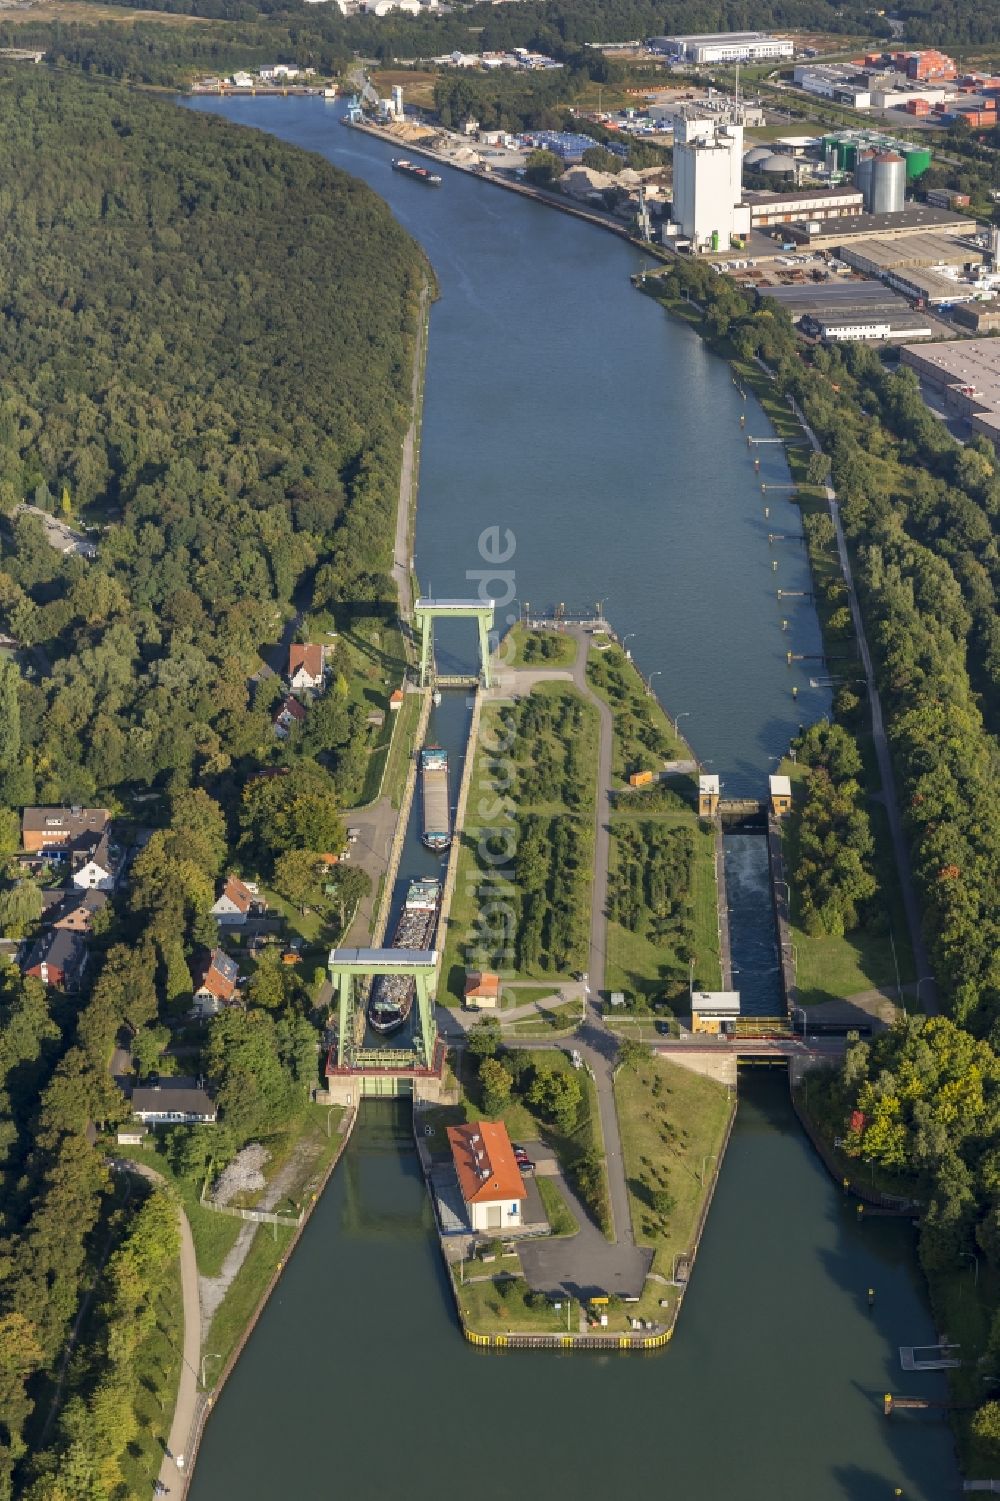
x: 917, y: 161
x: 847, y: 154
x: 715, y: 239
x: 830, y: 159
x: 863, y: 177
x: 888, y: 184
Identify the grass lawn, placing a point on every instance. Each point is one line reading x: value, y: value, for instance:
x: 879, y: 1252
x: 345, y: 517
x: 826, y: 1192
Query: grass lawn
x: 565, y: 1018
x: 524, y: 648
x: 524, y: 995
x: 489, y: 841
x: 833, y: 968
x: 155, y: 1375
x: 267, y: 1248
x: 561, y: 1218
x: 672, y: 1124
x: 644, y: 735
x: 644, y: 965
x: 499, y: 1306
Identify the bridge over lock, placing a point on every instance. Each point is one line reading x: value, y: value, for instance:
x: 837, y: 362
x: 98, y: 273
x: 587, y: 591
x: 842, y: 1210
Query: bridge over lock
x: 355, y: 1069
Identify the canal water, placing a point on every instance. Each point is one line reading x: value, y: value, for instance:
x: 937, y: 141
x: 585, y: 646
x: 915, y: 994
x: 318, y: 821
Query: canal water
x: 565, y: 408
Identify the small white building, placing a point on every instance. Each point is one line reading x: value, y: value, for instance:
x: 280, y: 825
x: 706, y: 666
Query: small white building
x: 488, y: 1175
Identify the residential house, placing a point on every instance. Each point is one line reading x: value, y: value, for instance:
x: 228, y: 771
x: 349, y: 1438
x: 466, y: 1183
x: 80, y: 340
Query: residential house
x: 50, y: 830
x: 215, y: 979
x: 174, y: 1102
x: 488, y: 1175
x: 482, y: 990
x: 72, y: 911
x: 396, y: 699
x: 236, y: 903
x: 306, y: 666
x: 289, y: 712
x: 57, y: 959
x: 97, y: 867
x: 132, y: 1136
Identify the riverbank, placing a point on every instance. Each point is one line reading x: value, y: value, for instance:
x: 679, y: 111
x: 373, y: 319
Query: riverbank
x: 524, y: 190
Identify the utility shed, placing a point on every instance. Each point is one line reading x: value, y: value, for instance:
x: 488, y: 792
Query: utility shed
x: 780, y: 790
x: 714, y: 1012
x: 708, y: 796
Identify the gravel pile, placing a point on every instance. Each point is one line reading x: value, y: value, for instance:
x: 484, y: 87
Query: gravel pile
x: 243, y: 1175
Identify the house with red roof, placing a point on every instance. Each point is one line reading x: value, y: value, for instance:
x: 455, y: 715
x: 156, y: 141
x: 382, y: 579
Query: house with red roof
x: 288, y: 714
x: 236, y: 902
x: 488, y: 1175
x: 215, y: 977
x: 306, y: 666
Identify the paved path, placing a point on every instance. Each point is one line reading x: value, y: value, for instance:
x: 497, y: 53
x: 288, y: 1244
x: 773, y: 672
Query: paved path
x: 903, y: 866
x: 187, y: 1388
x: 408, y: 474
x: 583, y: 1264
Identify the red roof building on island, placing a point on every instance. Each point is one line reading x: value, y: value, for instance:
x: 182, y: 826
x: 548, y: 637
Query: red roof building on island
x: 488, y: 1175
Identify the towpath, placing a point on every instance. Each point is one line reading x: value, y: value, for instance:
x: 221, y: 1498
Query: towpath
x: 881, y: 743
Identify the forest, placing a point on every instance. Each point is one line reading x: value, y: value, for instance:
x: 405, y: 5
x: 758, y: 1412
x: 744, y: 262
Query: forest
x: 207, y: 343
x: 575, y: 22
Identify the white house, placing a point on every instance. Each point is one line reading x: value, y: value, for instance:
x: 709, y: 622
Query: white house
x: 488, y: 1175
x: 306, y: 665
x: 97, y: 869
x: 235, y: 904
x: 174, y: 1102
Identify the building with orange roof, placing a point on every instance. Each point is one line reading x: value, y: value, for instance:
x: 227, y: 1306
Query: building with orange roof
x: 488, y: 1175
x: 306, y: 665
x: 482, y: 990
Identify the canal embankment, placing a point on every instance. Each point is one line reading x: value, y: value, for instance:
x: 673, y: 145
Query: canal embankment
x: 495, y: 179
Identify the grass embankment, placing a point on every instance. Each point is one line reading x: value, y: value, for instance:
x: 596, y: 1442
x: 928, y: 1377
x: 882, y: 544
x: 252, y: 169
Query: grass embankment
x: 649, y: 959
x: 644, y: 735
x: 504, y: 1304
x: 550, y: 1021
x: 522, y: 895
x: 538, y: 648
x: 525, y: 1124
x: 829, y: 967
x: 673, y: 1123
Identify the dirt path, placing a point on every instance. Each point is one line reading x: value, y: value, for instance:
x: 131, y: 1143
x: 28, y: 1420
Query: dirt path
x: 212, y: 1290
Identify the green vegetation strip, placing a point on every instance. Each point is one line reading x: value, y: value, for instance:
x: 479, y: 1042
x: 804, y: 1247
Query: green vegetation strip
x: 522, y: 893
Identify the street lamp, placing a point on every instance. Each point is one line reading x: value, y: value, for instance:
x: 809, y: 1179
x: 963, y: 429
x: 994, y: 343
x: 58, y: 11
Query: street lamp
x: 684, y: 714
x: 627, y: 637
x: 656, y: 673
x: 207, y: 1356
x: 788, y: 894
x: 709, y: 1157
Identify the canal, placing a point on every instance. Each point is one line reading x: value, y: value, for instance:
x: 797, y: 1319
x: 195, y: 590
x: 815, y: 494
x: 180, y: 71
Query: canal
x: 565, y: 408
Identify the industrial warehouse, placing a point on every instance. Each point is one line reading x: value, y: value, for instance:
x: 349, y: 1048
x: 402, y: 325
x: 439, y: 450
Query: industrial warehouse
x: 828, y: 227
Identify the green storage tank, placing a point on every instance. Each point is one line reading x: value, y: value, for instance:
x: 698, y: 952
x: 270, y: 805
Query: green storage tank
x: 715, y: 239
x: 847, y: 155
x: 918, y: 159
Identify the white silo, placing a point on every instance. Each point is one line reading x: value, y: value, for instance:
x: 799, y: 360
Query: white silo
x: 888, y: 184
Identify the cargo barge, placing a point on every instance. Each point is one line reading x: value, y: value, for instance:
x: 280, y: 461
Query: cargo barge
x: 391, y: 998
x: 413, y: 169
x: 436, y: 833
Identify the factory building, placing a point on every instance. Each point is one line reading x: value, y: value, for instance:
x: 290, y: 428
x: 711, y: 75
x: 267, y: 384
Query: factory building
x: 813, y: 204
x: 723, y: 47
x: 708, y: 178
x: 967, y: 374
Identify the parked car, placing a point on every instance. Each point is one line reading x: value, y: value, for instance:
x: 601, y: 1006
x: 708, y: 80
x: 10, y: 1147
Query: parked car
x: 526, y: 1165
x: 663, y: 1028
